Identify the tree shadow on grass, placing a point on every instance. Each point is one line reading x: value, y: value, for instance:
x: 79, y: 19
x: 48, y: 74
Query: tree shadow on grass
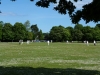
x: 45, y: 71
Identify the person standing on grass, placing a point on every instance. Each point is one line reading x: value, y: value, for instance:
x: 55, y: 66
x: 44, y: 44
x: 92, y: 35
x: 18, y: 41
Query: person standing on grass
x: 87, y: 43
x: 48, y: 42
x: 67, y: 41
x: 28, y: 41
x: 51, y: 41
x: 20, y: 42
x: 94, y: 42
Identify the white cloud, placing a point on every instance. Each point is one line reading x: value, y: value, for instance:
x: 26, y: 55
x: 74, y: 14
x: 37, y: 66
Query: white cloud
x: 7, y: 14
x: 11, y: 14
x: 48, y: 16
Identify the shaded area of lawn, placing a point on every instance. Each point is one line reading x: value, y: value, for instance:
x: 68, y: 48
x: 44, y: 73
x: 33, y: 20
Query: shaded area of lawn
x: 45, y: 71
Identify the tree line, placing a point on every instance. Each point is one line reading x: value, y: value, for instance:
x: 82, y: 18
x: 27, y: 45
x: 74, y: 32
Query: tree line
x: 9, y: 32
x: 19, y: 31
x: 76, y: 33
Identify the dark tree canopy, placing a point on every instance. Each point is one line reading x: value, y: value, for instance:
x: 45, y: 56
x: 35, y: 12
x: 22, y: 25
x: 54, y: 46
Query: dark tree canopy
x: 89, y: 12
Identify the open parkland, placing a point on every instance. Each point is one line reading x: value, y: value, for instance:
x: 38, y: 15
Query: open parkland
x: 39, y: 58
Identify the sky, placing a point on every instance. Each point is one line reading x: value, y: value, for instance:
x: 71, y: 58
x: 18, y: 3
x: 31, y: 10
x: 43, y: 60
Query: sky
x: 45, y: 18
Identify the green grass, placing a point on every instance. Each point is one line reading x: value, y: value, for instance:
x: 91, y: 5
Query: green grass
x: 55, y: 59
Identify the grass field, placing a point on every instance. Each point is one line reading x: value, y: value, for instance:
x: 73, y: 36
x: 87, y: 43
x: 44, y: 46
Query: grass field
x: 55, y: 59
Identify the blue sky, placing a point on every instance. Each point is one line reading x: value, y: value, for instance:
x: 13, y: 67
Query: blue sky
x: 45, y: 18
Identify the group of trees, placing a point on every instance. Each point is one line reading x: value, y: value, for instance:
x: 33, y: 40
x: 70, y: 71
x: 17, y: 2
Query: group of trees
x: 76, y: 33
x: 9, y: 32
